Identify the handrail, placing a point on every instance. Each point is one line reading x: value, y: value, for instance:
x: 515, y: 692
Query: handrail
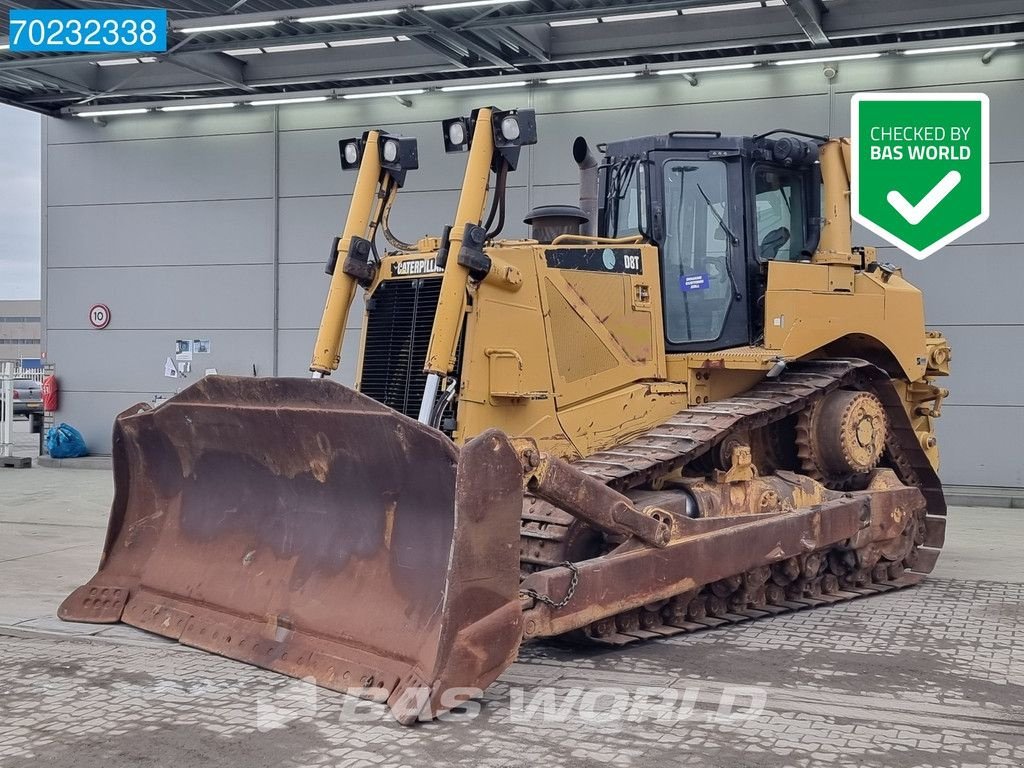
x: 582, y: 239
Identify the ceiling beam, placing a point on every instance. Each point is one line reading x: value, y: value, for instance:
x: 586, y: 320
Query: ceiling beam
x: 217, y: 66
x: 171, y: 89
x: 20, y: 80
x: 520, y: 42
x: 534, y: 16
x: 807, y: 14
x: 457, y: 58
x: 292, y: 14
x: 528, y: 13
x: 61, y: 82
x: 464, y: 39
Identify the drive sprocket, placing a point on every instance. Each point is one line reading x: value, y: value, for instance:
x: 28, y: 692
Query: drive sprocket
x: 841, y: 436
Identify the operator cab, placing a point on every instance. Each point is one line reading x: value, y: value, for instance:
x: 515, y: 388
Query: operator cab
x: 719, y: 208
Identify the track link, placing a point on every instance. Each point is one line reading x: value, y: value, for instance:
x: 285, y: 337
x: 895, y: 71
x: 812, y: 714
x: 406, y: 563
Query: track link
x: 691, y: 434
x: 629, y: 634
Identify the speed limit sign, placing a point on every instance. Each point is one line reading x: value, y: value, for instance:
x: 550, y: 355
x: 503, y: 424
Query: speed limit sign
x: 99, y: 315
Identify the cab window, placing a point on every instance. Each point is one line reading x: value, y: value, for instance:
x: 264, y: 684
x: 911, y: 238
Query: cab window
x: 779, y: 203
x: 698, y: 283
x: 627, y: 197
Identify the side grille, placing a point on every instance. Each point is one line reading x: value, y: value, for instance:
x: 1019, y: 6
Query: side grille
x: 399, y: 319
x: 579, y: 351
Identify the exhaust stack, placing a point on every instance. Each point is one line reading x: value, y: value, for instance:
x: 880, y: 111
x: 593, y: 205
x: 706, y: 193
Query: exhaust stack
x: 587, y: 162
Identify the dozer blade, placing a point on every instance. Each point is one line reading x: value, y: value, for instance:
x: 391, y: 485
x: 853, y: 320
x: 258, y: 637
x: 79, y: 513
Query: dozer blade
x: 302, y: 527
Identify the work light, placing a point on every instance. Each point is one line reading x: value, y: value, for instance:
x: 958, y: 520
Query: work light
x: 398, y: 154
x: 514, y: 128
x: 510, y: 128
x: 351, y: 153
x: 456, y: 134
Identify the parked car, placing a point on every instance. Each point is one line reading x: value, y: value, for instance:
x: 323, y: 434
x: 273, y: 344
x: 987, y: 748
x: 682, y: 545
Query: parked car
x: 28, y: 397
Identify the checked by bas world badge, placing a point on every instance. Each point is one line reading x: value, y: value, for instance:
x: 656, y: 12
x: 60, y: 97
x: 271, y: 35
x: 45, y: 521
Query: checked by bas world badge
x: 920, y: 167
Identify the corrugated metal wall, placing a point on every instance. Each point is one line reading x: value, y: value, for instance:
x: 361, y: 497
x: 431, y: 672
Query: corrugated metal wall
x: 217, y: 225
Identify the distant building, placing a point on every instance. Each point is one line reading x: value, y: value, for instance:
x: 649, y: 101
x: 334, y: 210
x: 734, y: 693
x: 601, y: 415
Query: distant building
x: 20, y: 329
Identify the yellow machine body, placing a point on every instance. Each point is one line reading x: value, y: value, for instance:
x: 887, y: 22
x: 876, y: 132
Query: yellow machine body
x: 530, y: 403
x: 577, y: 359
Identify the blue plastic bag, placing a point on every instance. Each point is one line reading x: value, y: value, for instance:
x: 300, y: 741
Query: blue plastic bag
x: 65, y: 442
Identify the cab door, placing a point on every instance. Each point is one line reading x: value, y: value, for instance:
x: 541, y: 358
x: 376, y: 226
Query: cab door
x: 698, y: 223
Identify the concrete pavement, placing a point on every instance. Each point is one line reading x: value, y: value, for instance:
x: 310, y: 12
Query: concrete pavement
x: 932, y: 676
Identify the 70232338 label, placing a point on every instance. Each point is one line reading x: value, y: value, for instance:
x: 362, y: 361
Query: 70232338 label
x: 95, y: 31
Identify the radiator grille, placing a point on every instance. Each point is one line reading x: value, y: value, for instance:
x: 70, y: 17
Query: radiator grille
x: 400, y: 315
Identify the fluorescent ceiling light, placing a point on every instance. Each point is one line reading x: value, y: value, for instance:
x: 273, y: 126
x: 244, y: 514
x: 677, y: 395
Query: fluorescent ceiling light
x: 573, y: 22
x: 189, y: 107
x: 314, y: 46
x: 696, y: 70
x: 297, y: 100
x: 346, y: 16
x: 721, y: 8
x: 378, y: 94
x: 638, y: 16
x: 364, y: 41
x: 121, y: 62
x: 110, y: 112
x: 484, y: 86
x: 466, y: 4
x: 958, y: 48
x: 591, y: 78
x: 821, y: 59
x: 239, y: 25
x: 293, y: 47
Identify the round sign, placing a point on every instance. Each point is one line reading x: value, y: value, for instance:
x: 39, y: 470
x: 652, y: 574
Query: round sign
x: 609, y: 258
x: 99, y: 315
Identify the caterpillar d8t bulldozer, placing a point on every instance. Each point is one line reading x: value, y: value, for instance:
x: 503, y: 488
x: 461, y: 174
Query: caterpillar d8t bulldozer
x: 686, y: 401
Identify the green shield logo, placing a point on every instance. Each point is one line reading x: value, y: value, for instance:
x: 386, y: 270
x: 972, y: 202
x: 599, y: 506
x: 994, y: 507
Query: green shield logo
x: 920, y: 167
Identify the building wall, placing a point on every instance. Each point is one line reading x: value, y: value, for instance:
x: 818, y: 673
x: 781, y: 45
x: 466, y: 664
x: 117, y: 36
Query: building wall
x: 216, y: 226
x: 20, y: 328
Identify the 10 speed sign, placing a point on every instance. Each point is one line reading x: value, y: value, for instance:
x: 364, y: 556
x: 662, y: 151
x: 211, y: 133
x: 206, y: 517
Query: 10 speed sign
x: 99, y: 316
x: 920, y: 167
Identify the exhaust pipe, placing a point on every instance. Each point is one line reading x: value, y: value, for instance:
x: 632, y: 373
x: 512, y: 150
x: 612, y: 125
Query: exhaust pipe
x: 587, y: 162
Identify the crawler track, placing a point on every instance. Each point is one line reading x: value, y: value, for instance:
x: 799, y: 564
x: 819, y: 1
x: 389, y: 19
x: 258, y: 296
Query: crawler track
x: 548, y: 536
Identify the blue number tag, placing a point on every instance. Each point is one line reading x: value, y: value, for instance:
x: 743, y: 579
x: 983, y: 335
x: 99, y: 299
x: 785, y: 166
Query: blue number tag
x: 96, y: 31
x: 694, y: 282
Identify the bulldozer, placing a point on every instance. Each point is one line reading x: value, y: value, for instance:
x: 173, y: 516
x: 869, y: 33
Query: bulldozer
x: 686, y: 400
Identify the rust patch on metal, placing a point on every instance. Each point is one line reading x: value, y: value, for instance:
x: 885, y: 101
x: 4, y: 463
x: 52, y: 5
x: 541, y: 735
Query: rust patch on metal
x: 299, y: 526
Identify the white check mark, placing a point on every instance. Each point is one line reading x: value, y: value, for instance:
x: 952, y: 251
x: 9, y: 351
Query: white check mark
x: 916, y: 213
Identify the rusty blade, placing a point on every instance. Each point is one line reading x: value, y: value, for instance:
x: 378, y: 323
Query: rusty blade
x: 300, y: 526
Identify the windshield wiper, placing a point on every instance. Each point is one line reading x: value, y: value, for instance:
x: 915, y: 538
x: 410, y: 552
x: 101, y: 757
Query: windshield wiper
x: 620, y: 176
x: 721, y: 221
x: 735, y: 241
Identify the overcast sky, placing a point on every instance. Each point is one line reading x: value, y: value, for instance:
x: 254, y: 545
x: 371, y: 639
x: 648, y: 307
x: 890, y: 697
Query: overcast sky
x: 20, y: 219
